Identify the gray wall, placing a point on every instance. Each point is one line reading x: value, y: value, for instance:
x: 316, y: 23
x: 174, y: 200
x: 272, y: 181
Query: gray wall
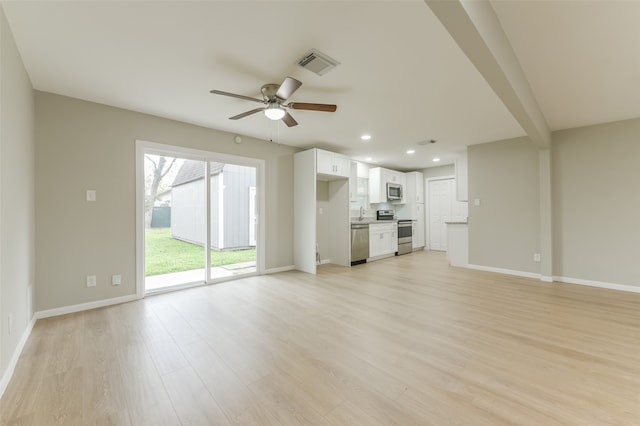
x: 16, y: 198
x: 596, y: 198
x: 504, y: 231
x: 438, y: 171
x: 595, y: 203
x: 82, y: 145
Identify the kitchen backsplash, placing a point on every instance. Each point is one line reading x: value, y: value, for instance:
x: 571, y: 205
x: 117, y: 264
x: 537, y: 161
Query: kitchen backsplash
x: 371, y: 211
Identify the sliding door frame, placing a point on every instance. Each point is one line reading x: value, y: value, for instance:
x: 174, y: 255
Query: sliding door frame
x: 146, y: 147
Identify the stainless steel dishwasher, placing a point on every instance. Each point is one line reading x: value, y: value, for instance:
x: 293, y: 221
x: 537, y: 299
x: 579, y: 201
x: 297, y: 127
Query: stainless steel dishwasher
x: 359, y: 243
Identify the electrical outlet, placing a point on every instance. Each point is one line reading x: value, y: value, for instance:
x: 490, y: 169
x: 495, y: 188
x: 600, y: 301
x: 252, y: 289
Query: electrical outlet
x: 536, y: 257
x: 116, y: 279
x: 91, y: 280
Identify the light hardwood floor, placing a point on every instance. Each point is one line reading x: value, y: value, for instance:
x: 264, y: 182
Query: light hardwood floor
x: 404, y: 341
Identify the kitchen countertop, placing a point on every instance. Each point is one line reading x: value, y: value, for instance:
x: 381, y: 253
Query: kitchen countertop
x: 370, y: 220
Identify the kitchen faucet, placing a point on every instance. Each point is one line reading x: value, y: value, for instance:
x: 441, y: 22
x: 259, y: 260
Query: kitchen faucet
x: 361, y: 213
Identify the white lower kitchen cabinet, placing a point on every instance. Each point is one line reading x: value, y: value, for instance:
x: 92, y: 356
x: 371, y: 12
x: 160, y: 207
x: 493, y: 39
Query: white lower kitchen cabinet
x: 383, y: 239
x: 419, y: 236
x: 414, y: 234
x: 458, y: 244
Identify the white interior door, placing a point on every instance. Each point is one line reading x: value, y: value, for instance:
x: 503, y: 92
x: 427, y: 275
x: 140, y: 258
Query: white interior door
x: 441, y: 193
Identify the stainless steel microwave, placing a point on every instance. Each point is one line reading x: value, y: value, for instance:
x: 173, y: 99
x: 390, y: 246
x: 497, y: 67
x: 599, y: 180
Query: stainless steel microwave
x: 394, y: 192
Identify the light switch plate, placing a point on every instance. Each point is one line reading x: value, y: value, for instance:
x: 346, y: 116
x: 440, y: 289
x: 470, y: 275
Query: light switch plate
x: 116, y: 279
x: 91, y: 194
x: 91, y: 280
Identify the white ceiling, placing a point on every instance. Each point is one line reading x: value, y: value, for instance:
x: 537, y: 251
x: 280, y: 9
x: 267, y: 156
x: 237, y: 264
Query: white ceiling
x: 581, y: 57
x: 402, y: 77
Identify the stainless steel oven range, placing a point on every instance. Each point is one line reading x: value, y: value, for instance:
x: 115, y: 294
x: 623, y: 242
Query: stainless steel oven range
x: 405, y: 237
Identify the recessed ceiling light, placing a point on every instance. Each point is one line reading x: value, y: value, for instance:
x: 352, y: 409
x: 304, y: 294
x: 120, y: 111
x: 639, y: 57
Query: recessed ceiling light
x: 365, y: 137
x: 411, y: 151
x: 435, y: 160
x: 368, y: 159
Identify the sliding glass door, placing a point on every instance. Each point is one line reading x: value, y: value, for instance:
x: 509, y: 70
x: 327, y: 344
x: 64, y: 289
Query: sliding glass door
x: 198, y: 217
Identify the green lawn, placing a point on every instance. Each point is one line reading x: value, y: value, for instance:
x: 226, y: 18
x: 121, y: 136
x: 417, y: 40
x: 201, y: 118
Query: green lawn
x: 165, y: 254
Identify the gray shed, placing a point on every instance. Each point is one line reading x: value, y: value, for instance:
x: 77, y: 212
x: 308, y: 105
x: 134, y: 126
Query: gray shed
x: 233, y: 222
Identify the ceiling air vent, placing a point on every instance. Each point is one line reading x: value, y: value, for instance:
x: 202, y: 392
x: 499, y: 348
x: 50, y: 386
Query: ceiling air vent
x: 317, y: 62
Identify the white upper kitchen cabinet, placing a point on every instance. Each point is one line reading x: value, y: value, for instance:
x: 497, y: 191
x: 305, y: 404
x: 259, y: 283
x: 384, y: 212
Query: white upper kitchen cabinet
x: 353, y: 183
x: 414, y: 188
x: 378, y: 179
x: 413, y: 195
x: 332, y: 165
x: 395, y: 177
x: 377, y: 187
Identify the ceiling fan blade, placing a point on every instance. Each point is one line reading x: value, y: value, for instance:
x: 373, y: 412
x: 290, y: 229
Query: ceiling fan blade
x: 313, y: 107
x: 289, y: 121
x: 288, y: 86
x: 233, y: 95
x: 244, y: 114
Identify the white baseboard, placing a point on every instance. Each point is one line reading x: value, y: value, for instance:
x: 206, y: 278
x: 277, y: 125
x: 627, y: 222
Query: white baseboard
x: 84, y: 306
x: 505, y: 271
x: 568, y: 280
x: 382, y: 256
x: 600, y: 284
x: 279, y: 269
x: 8, y: 373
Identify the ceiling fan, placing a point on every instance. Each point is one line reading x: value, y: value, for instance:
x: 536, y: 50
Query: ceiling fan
x: 275, y: 98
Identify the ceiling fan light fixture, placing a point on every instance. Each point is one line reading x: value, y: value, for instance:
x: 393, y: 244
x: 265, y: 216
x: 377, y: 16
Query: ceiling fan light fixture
x: 274, y: 112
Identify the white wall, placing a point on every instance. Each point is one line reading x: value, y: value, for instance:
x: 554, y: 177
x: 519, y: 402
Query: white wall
x: 596, y: 198
x: 323, y: 221
x: 82, y: 145
x: 16, y: 200
x: 504, y: 231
